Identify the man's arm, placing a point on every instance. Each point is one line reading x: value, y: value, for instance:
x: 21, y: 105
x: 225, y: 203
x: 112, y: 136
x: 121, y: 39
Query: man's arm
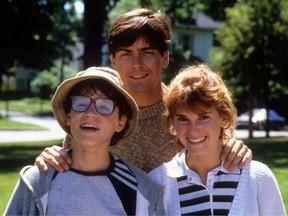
x: 56, y: 156
x: 235, y: 154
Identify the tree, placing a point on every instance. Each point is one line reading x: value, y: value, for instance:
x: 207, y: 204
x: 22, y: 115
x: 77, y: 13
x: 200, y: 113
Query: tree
x: 253, y: 52
x: 185, y: 10
x: 95, y: 17
x: 96, y: 20
x: 35, y: 33
x: 216, y: 9
x: 46, y: 82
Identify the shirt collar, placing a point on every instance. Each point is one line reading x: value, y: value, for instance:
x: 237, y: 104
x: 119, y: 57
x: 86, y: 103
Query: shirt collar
x: 177, y: 166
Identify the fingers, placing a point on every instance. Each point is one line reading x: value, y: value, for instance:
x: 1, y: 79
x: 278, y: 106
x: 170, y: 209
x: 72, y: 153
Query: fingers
x: 235, y: 154
x: 41, y: 164
x: 246, y: 158
x: 227, y: 147
x: 66, y: 158
x: 56, y: 157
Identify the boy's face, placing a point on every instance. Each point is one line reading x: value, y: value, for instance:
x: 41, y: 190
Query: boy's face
x: 139, y: 66
x: 90, y: 127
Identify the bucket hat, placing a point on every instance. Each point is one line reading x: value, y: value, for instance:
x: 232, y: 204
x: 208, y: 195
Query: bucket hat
x: 99, y: 73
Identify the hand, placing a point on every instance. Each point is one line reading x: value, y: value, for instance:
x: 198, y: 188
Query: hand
x: 56, y: 156
x: 235, y: 154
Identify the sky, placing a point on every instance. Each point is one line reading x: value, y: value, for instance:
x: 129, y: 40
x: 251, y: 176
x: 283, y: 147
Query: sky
x: 79, y: 6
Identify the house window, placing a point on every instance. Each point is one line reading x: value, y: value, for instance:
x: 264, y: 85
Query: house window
x: 21, y: 84
x: 187, y: 42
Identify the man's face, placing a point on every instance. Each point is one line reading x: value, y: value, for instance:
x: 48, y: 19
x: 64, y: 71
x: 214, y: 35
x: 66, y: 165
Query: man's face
x: 139, y: 66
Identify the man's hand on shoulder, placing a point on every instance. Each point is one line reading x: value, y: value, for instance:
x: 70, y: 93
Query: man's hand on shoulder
x: 235, y: 154
x: 56, y: 156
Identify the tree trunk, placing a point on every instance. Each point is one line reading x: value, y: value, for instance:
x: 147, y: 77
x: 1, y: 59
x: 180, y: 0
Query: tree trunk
x: 250, y: 111
x: 95, y: 15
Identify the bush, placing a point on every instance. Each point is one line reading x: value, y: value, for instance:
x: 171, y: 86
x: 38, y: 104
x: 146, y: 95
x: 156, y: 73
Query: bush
x: 46, y: 82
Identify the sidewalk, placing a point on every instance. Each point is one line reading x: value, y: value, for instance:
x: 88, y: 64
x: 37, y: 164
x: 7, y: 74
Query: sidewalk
x: 53, y: 130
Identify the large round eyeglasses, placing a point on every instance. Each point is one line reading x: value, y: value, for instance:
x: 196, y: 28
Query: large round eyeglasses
x: 104, y: 106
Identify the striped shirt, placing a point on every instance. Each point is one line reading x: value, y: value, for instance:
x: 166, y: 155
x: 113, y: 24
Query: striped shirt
x: 214, y: 198
x: 256, y: 193
x: 125, y: 184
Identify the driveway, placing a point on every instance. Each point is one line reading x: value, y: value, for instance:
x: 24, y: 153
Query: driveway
x: 52, y: 130
x: 257, y: 133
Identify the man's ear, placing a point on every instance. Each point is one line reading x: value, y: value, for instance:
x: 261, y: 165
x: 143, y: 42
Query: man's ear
x: 165, y: 59
x: 112, y: 60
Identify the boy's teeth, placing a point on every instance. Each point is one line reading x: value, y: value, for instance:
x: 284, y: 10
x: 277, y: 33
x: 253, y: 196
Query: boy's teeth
x: 89, y: 126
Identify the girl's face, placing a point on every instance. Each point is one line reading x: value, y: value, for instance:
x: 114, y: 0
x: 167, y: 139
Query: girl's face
x: 89, y: 127
x: 199, y: 130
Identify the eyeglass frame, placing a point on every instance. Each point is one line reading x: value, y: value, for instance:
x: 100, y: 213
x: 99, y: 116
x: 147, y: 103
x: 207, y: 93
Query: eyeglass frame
x: 94, y: 101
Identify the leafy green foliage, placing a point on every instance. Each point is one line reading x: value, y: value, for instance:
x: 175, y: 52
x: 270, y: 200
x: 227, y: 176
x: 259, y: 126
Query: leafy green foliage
x: 216, y: 9
x: 36, y: 33
x: 46, y: 82
x: 178, y: 59
x: 120, y: 8
x: 253, y: 47
x: 185, y: 10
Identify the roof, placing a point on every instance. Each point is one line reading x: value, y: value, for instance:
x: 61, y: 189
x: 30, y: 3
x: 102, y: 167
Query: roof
x: 202, y: 21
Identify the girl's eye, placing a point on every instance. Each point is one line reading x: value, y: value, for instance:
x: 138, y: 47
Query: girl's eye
x: 204, y: 117
x: 182, y: 118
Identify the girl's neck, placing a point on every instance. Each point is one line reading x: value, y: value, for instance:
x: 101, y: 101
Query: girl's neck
x: 202, y: 165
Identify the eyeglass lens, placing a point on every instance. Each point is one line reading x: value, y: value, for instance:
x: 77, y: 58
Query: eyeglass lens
x: 104, y: 106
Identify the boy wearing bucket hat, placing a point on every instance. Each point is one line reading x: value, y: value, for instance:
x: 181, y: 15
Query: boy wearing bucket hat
x: 95, y: 110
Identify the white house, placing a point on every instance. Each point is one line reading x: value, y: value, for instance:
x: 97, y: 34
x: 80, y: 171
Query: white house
x: 198, y: 37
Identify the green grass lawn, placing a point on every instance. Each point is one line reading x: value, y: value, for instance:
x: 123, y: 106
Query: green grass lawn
x: 13, y: 156
x: 273, y: 152
x: 33, y: 106
x: 7, y: 124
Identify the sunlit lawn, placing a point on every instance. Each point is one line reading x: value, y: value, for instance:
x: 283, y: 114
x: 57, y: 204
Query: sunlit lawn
x: 272, y: 151
x: 31, y: 106
x: 13, y: 156
x: 7, y: 124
